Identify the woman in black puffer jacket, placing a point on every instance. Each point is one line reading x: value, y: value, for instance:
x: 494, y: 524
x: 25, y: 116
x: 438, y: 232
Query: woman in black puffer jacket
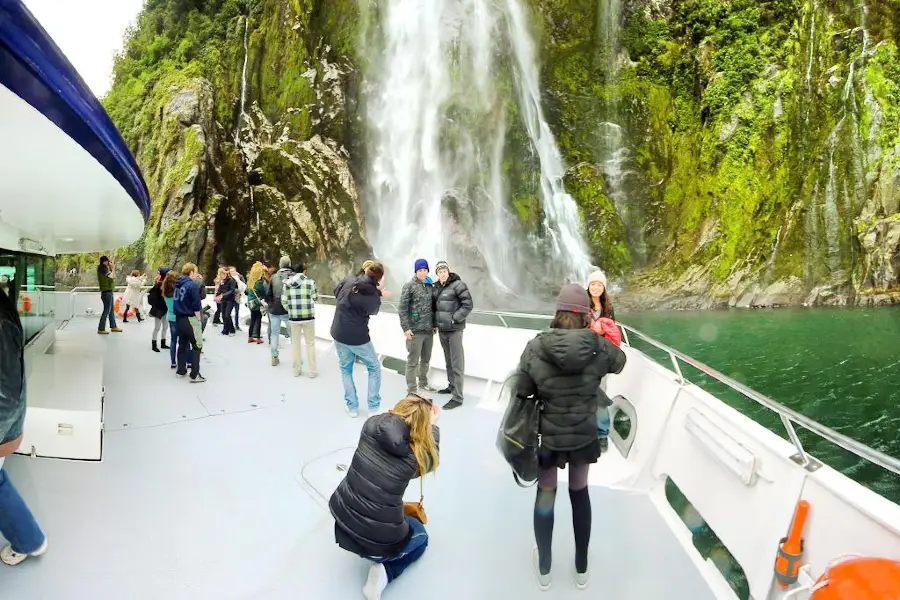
x: 367, y: 506
x: 562, y: 367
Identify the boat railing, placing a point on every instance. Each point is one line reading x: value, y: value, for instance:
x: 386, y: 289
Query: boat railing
x: 789, y: 417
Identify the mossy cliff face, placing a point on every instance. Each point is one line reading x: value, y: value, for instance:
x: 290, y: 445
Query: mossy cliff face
x: 243, y: 165
x: 735, y: 152
x: 761, y: 144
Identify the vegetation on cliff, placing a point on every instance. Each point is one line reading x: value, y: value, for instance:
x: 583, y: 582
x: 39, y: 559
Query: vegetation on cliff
x: 753, y: 156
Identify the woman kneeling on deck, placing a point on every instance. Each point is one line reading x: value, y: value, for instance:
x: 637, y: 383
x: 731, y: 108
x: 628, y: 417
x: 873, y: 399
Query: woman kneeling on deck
x: 562, y: 367
x: 369, y: 516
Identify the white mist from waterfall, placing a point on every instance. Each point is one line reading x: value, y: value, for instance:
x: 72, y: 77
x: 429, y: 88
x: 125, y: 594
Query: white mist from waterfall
x: 438, y: 124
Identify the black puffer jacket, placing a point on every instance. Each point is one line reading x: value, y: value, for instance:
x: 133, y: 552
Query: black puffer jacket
x: 452, y: 304
x: 368, y: 504
x: 12, y: 371
x: 356, y: 299
x: 158, y: 306
x: 563, y: 368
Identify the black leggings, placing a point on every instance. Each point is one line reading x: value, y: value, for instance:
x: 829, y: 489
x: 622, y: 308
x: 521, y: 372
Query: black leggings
x: 581, y: 515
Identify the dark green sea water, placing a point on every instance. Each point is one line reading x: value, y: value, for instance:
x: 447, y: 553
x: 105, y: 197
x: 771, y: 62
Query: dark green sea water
x: 840, y: 367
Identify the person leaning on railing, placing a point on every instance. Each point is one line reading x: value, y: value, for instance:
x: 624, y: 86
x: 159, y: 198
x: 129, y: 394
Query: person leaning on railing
x: 17, y: 523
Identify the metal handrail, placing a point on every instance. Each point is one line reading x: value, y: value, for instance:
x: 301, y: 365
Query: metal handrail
x: 787, y: 415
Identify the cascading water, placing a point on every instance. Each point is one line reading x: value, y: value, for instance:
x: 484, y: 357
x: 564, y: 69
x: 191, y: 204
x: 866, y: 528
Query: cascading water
x: 437, y: 117
x: 237, y: 130
x: 614, y: 154
x: 846, y: 129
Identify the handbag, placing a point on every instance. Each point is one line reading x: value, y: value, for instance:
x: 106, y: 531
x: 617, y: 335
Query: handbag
x: 519, y: 437
x: 416, y: 510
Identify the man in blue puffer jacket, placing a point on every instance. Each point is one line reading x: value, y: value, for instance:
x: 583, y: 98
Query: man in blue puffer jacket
x: 17, y: 524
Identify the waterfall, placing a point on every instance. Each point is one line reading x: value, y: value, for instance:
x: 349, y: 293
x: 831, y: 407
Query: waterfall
x: 812, y: 45
x: 614, y: 153
x: 237, y: 130
x: 437, y: 122
x: 849, y: 112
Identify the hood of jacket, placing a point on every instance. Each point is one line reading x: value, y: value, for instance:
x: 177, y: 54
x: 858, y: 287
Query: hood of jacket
x: 294, y: 282
x: 569, y: 350
x: 391, y: 432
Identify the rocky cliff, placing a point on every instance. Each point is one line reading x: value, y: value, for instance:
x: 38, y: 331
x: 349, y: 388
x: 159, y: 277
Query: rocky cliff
x: 239, y: 115
x: 751, y: 149
x: 737, y: 152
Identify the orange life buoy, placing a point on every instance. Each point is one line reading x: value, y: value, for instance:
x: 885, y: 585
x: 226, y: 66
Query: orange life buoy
x: 120, y: 300
x: 859, y: 578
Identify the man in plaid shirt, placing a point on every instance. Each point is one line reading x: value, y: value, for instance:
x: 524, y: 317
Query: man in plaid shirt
x: 299, y: 299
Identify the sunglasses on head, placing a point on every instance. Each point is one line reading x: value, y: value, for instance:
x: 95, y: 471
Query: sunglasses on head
x: 428, y: 401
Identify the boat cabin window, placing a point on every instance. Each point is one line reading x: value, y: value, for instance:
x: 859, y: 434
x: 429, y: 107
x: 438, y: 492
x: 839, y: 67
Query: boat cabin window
x: 31, y: 277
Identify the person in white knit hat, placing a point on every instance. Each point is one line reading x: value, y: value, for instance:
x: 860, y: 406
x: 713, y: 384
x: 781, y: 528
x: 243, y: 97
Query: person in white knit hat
x: 601, y: 308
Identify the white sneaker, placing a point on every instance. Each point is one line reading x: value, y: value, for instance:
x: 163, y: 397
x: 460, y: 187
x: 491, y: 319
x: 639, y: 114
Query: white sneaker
x: 581, y: 579
x: 351, y: 411
x: 12, y: 558
x: 543, y: 580
x: 376, y: 582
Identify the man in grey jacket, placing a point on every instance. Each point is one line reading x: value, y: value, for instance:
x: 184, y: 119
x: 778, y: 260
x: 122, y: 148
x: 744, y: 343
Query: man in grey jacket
x: 452, y: 305
x: 417, y: 322
x: 17, y: 524
x: 277, y: 313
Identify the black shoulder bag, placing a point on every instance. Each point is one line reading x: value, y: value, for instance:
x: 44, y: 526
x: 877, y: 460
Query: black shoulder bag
x: 519, y: 437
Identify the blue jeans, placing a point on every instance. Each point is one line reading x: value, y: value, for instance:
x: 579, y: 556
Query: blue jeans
x: 275, y: 322
x: 173, y: 335
x: 17, y: 524
x: 107, y: 298
x: 603, y: 422
x: 415, y: 548
x: 366, y: 353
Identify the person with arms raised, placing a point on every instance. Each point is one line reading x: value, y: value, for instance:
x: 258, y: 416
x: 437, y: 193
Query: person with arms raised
x: 356, y: 299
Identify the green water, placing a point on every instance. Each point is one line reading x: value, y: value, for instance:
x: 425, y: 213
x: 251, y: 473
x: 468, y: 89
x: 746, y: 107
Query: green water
x: 840, y: 367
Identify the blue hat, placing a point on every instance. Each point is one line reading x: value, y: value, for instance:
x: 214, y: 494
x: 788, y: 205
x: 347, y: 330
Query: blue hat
x: 163, y: 271
x: 421, y: 264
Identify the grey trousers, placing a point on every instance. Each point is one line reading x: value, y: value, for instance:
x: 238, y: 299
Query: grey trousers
x: 418, y: 359
x: 452, y: 342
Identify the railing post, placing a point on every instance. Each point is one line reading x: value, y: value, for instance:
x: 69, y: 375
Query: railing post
x: 677, y: 368
x: 801, y: 453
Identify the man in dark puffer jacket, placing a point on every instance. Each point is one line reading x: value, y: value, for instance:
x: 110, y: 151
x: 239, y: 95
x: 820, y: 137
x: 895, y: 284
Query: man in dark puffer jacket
x: 17, y: 524
x: 452, y: 305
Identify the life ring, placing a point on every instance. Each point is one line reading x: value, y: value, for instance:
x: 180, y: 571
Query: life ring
x: 120, y: 300
x: 859, y: 578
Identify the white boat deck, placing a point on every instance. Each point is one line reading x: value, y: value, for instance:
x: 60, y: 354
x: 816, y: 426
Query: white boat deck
x: 219, y: 491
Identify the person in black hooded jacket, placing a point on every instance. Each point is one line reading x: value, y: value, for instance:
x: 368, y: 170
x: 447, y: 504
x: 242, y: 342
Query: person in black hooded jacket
x: 367, y: 506
x: 562, y: 368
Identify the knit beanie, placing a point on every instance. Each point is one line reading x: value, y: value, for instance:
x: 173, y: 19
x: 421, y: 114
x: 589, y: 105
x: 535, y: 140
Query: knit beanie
x: 442, y: 264
x: 421, y: 264
x: 597, y: 275
x: 573, y: 298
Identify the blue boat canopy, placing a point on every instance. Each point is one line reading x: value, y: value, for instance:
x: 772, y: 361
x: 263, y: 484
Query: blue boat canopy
x: 33, y: 68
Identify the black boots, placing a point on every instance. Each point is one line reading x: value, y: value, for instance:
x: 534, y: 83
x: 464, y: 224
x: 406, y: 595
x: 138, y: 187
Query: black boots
x: 155, y: 348
x: 163, y: 344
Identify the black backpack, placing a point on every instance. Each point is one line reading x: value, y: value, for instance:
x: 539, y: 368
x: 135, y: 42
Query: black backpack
x: 519, y: 437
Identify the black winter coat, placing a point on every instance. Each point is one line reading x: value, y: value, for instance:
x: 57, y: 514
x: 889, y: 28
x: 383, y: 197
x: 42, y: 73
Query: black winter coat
x: 158, y: 308
x: 452, y: 304
x: 356, y: 299
x: 563, y: 368
x: 368, y: 504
